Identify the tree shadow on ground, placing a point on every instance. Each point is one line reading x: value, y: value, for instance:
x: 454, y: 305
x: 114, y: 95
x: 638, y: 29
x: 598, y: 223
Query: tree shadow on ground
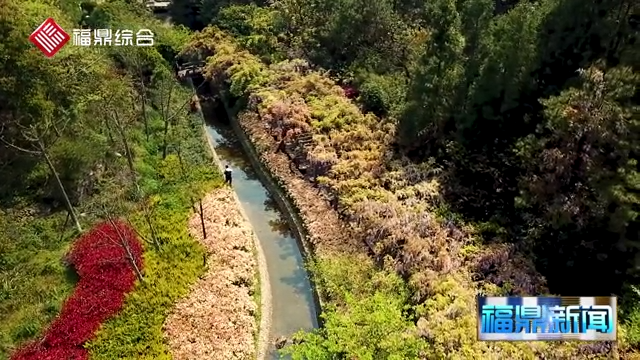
x: 227, y: 146
x: 15, y: 187
x: 279, y: 225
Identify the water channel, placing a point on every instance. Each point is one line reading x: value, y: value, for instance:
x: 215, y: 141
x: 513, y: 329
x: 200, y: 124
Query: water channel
x: 293, y: 306
x: 292, y: 301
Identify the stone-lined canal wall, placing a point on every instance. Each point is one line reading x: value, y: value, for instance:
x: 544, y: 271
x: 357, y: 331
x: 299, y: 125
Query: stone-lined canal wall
x: 280, y: 195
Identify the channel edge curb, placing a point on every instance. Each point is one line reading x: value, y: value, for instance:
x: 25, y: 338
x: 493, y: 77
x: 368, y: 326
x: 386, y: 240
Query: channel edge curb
x: 281, y: 196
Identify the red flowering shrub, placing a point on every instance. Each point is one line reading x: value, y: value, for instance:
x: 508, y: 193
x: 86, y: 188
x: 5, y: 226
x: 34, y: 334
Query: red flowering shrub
x: 350, y: 91
x: 106, y: 276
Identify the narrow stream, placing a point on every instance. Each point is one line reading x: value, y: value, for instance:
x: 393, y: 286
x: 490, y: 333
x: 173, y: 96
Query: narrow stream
x: 293, y: 306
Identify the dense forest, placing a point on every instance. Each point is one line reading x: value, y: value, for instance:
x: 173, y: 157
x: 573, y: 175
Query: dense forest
x: 475, y: 146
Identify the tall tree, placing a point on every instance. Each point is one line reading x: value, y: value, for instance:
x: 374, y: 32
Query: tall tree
x: 583, y: 179
x: 171, y: 101
x: 509, y: 51
x: 141, y: 62
x: 476, y: 16
x: 436, y: 81
x: 40, y: 135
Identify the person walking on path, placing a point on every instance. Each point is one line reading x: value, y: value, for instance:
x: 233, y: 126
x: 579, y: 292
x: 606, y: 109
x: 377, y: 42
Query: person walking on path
x: 227, y: 174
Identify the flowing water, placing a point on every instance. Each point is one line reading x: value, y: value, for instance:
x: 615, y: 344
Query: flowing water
x: 293, y: 306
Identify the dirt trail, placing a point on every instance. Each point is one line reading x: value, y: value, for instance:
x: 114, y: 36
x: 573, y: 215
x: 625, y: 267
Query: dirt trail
x: 217, y: 319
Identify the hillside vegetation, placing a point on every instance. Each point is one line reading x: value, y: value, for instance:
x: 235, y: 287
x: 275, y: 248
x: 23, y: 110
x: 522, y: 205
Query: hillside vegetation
x: 457, y: 148
x: 90, y: 135
x: 491, y: 148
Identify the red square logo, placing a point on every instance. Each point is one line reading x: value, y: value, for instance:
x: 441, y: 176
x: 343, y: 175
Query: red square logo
x: 49, y: 37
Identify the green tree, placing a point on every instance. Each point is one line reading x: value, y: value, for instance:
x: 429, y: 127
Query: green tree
x: 369, y: 322
x: 256, y: 28
x: 437, y: 78
x: 476, y: 17
x: 44, y: 99
x: 340, y: 34
x: 41, y: 135
x: 371, y: 328
x: 140, y: 63
x: 583, y: 178
x: 509, y: 51
x: 171, y: 101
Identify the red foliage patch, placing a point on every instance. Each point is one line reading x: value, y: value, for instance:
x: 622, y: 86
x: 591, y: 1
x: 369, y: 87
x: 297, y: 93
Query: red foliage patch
x: 350, y: 91
x: 106, y: 276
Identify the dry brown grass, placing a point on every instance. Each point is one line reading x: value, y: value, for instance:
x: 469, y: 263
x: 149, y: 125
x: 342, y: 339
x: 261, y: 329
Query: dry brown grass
x: 217, y: 319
